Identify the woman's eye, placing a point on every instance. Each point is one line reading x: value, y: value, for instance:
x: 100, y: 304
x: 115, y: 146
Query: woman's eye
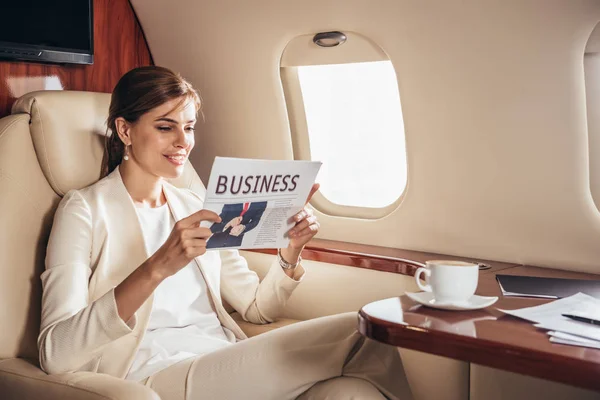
x: 190, y: 129
x: 164, y: 128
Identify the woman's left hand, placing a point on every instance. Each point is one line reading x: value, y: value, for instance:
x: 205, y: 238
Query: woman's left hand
x: 306, y: 226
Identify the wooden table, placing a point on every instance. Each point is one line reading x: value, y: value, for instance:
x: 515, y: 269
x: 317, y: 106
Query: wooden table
x: 485, y: 337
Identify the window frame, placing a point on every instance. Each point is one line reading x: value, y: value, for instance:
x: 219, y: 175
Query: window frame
x: 591, y: 59
x: 301, y: 151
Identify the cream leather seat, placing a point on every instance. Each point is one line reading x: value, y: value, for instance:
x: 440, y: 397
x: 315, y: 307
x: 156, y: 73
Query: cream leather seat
x: 52, y: 143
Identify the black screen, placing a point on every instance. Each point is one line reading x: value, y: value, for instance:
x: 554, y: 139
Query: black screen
x: 64, y: 24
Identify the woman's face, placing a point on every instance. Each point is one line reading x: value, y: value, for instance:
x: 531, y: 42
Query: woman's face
x: 162, y: 139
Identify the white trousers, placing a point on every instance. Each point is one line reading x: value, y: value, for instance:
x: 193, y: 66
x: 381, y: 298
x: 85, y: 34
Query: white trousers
x: 318, y: 359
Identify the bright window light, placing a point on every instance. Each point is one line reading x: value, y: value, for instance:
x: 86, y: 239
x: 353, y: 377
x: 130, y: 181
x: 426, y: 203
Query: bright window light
x: 355, y: 128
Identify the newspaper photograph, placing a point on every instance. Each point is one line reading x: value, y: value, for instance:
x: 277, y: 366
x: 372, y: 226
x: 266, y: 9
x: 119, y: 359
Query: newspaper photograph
x: 256, y: 200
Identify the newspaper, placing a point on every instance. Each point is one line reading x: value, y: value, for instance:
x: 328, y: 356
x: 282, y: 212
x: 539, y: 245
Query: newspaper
x: 256, y: 200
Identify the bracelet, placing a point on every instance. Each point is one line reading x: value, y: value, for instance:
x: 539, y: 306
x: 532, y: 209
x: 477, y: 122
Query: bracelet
x: 284, y: 264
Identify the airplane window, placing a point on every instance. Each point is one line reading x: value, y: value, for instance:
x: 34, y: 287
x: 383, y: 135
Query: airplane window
x: 343, y: 105
x: 355, y: 128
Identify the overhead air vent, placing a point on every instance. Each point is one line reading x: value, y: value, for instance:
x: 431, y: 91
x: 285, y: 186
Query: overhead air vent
x: 329, y: 39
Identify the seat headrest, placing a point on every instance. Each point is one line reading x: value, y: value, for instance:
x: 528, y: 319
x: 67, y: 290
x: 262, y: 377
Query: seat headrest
x: 68, y: 129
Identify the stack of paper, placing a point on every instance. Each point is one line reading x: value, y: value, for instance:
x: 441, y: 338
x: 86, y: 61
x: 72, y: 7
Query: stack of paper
x: 561, y: 329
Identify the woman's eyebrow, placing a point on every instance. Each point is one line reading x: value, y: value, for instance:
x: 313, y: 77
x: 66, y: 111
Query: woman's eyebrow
x: 173, y: 121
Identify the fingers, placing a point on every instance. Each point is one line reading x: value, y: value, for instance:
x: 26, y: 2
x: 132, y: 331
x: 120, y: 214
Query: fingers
x: 195, y: 251
x: 194, y: 246
x: 195, y: 218
x: 311, y: 230
x: 306, y: 224
x: 194, y: 243
x: 313, y: 190
x: 304, y: 213
x: 197, y: 233
x: 301, y: 227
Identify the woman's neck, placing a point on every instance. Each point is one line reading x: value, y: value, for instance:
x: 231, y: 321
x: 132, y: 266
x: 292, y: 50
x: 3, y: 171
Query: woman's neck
x: 144, y: 188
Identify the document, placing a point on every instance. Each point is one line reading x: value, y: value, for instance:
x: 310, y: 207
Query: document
x: 561, y: 329
x: 256, y: 200
x: 554, y: 309
x: 572, y: 340
x: 566, y: 325
x: 593, y: 345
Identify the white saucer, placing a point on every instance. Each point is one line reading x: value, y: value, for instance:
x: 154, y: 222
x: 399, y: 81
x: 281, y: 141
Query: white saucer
x: 474, y: 303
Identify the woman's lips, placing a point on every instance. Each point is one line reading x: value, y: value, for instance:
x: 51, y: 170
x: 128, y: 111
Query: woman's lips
x: 177, y: 160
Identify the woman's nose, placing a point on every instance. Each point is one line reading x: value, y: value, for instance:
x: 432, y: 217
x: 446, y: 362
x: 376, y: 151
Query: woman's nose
x: 182, y: 139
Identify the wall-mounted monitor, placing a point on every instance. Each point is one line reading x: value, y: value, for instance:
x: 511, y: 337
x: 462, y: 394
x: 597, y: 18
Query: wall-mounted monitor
x: 51, y: 31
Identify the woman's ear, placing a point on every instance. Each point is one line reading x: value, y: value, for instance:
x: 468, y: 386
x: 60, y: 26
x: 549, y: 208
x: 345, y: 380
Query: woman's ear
x: 123, y: 130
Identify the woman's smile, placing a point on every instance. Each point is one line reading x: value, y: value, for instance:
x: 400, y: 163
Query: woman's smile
x: 178, y: 159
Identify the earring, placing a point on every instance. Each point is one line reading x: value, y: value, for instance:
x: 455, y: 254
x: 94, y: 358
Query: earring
x: 126, y: 157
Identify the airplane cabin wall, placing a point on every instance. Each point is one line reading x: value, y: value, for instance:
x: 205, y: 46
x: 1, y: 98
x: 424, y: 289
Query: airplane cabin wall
x: 493, y: 100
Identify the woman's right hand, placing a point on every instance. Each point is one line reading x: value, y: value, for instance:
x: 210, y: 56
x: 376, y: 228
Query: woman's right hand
x: 186, y: 241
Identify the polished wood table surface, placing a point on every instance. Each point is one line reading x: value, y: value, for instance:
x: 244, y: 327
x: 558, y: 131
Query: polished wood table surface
x: 486, y: 337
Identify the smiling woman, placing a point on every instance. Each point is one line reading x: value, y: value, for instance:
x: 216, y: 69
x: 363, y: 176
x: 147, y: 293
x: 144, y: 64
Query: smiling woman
x: 147, y: 101
x: 130, y: 289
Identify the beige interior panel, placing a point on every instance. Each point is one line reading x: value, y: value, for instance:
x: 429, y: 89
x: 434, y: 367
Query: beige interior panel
x: 493, y: 100
x: 493, y: 384
x: 433, y: 377
x: 330, y: 289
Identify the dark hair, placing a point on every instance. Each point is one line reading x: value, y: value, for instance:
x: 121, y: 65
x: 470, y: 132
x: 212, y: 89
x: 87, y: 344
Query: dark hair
x: 137, y: 92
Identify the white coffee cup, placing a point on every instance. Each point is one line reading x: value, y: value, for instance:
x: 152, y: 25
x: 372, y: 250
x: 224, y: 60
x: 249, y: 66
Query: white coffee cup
x: 449, y: 281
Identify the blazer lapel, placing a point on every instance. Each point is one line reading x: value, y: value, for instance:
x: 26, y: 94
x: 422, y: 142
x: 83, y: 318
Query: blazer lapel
x: 128, y: 248
x: 182, y: 209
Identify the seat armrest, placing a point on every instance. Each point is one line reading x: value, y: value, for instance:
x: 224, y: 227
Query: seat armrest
x: 23, y: 379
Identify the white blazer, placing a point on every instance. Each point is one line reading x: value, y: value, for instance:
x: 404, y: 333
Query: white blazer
x: 95, y: 243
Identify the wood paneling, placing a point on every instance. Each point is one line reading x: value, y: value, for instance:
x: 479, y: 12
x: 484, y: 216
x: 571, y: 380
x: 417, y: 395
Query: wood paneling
x: 119, y: 45
x: 378, y: 258
x: 486, y: 337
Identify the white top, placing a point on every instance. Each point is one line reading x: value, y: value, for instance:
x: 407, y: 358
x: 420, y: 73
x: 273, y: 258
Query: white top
x: 183, y: 322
